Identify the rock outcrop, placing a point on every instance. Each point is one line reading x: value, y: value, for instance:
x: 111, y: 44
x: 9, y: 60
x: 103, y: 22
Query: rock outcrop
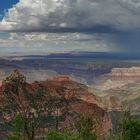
x: 81, y: 100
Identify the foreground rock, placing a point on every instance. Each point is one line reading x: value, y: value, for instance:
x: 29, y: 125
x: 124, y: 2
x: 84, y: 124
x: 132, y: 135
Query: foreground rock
x: 81, y: 101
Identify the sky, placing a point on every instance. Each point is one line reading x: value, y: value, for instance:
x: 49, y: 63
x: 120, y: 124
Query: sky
x: 55, y: 26
x: 5, y: 5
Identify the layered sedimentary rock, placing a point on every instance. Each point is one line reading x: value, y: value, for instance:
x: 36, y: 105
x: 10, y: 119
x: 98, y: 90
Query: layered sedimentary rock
x: 120, y: 89
x: 132, y: 73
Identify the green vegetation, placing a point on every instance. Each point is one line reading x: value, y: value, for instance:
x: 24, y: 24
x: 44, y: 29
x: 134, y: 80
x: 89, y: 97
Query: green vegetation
x: 85, y: 127
x: 83, y: 131
x: 57, y: 135
x: 21, y: 129
x: 129, y: 128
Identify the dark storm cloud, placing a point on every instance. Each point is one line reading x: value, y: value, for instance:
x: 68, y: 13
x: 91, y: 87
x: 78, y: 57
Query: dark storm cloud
x: 116, y: 21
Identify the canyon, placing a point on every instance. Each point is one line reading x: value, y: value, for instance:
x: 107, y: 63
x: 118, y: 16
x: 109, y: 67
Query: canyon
x: 120, y: 89
x: 97, y: 86
x: 115, y: 81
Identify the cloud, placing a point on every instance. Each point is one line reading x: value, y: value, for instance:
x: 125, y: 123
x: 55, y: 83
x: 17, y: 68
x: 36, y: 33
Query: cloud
x: 59, y: 15
x: 113, y: 26
x: 46, y: 43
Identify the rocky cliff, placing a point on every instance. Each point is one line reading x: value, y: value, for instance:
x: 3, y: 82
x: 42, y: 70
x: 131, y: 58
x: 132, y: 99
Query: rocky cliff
x: 81, y: 100
x: 120, y: 89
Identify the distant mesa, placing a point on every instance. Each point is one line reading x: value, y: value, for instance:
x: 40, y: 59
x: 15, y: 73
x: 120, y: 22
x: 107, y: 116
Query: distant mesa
x: 60, y: 78
x: 132, y: 73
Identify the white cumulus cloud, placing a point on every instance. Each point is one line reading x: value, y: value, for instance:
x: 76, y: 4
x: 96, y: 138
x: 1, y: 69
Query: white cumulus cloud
x: 44, y: 15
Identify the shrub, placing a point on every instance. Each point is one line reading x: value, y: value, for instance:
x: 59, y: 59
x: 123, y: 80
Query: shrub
x: 56, y: 135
